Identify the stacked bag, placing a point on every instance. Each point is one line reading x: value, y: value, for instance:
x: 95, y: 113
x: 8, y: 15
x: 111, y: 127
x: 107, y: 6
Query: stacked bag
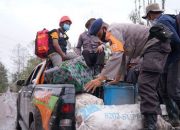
x: 92, y: 114
x: 113, y: 117
x: 85, y: 99
x: 74, y: 71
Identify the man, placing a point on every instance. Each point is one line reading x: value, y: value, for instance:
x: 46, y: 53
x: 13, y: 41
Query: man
x: 171, y: 75
x: 58, y: 42
x: 126, y: 34
x: 93, y: 50
x: 155, y: 52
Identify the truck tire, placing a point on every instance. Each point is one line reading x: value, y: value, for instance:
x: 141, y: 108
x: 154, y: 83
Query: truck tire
x: 36, y: 124
x: 32, y: 126
x: 18, y: 127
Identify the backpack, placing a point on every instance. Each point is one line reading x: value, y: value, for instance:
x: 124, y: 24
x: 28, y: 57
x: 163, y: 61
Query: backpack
x: 42, y: 43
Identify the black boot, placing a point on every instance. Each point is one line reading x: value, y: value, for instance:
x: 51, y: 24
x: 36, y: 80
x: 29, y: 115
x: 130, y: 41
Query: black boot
x: 150, y: 122
x: 173, y: 113
x: 174, y: 120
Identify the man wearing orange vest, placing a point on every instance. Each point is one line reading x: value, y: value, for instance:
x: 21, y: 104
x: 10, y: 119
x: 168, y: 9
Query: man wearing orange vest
x: 135, y: 40
x: 123, y: 38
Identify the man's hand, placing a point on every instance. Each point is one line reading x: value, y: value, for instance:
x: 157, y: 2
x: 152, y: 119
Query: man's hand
x: 59, y: 50
x: 100, y: 48
x: 92, y: 85
x: 116, y: 80
x: 64, y: 57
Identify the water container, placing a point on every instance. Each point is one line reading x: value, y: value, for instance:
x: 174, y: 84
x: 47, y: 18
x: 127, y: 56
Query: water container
x: 122, y: 93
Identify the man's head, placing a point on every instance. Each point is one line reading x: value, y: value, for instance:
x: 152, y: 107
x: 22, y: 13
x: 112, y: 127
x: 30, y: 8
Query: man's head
x: 153, y: 11
x: 89, y: 22
x: 65, y: 23
x: 98, y: 28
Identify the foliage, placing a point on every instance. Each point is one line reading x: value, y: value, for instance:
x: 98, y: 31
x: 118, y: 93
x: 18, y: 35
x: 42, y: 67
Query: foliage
x: 24, y: 61
x: 136, y: 15
x: 19, y: 59
x: 23, y: 75
x: 3, y: 78
x: 31, y: 63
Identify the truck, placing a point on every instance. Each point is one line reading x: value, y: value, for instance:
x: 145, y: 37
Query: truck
x: 43, y: 106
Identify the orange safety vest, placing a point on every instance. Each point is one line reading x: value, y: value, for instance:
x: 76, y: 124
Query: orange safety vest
x: 116, y: 45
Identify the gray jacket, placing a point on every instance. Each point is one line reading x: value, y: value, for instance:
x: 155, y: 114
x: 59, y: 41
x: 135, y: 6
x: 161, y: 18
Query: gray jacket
x: 88, y: 42
x: 133, y: 36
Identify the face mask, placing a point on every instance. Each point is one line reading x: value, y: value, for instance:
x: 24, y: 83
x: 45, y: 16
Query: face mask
x: 153, y: 22
x: 103, y: 38
x: 66, y: 27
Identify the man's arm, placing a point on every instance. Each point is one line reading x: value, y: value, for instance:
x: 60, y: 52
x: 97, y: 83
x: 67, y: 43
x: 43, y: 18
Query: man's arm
x: 93, y: 84
x: 58, y: 48
x: 107, y: 72
x: 79, y: 45
x: 54, y: 35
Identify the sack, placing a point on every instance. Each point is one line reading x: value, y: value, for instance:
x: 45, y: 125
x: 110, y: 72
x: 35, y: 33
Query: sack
x: 42, y: 43
x: 85, y: 99
x: 119, y: 117
x: 74, y: 71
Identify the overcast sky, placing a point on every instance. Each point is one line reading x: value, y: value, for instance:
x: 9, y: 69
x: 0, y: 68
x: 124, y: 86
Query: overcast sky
x: 21, y: 19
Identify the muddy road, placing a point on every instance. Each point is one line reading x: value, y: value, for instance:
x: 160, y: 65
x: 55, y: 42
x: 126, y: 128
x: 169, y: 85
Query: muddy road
x: 8, y: 111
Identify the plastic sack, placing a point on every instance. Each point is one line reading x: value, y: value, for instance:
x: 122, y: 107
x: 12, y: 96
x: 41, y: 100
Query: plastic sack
x: 84, y: 99
x: 119, y: 117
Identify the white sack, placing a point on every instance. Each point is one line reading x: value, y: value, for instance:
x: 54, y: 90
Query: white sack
x: 87, y: 99
x: 119, y: 117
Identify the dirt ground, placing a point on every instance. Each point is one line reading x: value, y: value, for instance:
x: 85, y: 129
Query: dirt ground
x: 8, y: 111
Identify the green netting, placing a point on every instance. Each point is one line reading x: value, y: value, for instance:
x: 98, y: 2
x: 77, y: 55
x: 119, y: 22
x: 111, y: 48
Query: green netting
x: 73, y: 71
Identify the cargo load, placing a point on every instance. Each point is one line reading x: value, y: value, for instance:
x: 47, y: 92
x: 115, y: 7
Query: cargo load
x: 113, y: 117
x: 74, y: 71
x: 84, y: 99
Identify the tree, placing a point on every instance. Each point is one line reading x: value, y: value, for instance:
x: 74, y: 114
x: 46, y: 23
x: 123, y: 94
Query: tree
x: 19, y: 59
x: 24, y: 61
x: 3, y: 78
x: 31, y: 63
x: 135, y: 15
